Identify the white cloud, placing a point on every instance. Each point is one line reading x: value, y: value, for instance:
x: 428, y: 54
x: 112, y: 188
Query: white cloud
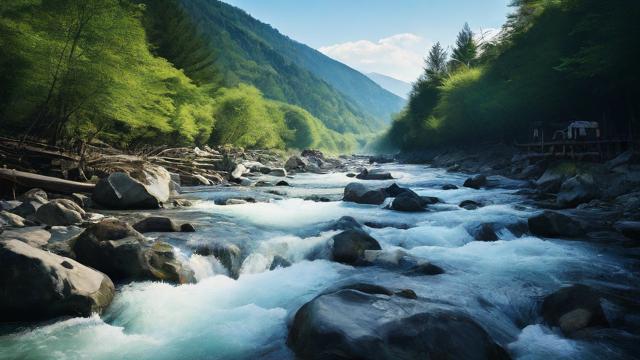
x: 400, y: 56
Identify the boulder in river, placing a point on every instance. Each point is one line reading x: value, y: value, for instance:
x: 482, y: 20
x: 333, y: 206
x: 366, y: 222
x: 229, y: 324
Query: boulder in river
x: 552, y: 224
x: 115, y: 248
x: 38, y: 285
x: 296, y: 163
x: 449, y: 187
x: 577, y: 190
x: 229, y: 255
x: 349, y: 246
x: 375, y: 174
x: 484, y: 232
x: 345, y: 223
x: 475, y: 182
x: 121, y: 191
x: 408, y: 201
x: 366, y: 321
x: 60, y: 212
x: 470, y: 205
x: 574, y: 308
x: 156, y: 224
x: 279, y: 262
x: 550, y: 181
x: 358, y: 193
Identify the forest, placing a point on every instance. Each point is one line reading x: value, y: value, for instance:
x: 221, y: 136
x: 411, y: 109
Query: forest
x: 138, y: 73
x: 555, y: 61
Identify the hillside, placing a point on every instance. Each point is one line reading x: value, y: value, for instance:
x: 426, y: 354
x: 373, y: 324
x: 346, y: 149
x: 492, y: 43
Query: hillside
x: 398, y: 87
x: 253, y: 52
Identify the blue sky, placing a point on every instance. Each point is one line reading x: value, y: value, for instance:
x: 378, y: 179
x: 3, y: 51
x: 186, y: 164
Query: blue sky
x: 385, y: 36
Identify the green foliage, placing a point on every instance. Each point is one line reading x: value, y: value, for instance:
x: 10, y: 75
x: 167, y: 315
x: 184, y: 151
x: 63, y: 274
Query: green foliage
x: 556, y: 61
x: 466, y: 50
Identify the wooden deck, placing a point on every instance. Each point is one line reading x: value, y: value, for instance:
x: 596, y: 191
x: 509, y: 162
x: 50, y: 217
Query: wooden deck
x: 580, y: 149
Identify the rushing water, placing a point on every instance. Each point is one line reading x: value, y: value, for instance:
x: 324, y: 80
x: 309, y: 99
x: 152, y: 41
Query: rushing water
x: 499, y: 283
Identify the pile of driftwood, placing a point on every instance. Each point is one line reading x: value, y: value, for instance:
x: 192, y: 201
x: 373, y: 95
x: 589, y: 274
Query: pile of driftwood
x: 21, y: 160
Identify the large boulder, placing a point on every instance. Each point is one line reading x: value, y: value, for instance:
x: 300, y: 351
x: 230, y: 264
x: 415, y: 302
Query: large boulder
x: 367, y: 321
x: 577, y: 190
x: 60, y: 212
x: 484, y: 232
x: 573, y: 308
x: 121, y: 191
x: 115, y: 248
x: 358, y: 193
x: 408, y: 201
x: 476, y: 182
x: 349, y: 246
x: 36, y: 285
x: 552, y: 224
x: 375, y: 174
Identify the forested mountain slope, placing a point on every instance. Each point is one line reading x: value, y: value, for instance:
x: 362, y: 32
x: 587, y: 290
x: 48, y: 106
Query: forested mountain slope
x: 285, y: 70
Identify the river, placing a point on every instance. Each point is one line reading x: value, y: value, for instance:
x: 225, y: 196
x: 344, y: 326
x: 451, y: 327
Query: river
x: 500, y: 284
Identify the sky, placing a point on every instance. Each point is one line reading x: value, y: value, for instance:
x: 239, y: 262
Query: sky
x: 390, y: 37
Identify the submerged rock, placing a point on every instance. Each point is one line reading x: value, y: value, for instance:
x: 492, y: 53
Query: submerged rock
x: 573, y: 308
x: 279, y: 262
x: 551, y: 223
x: 349, y: 246
x: 37, y: 285
x: 375, y: 174
x: 366, y: 321
x: 484, y: 232
x: 475, y: 182
x: 470, y: 205
x: 345, y: 223
x: 358, y: 193
x: 121, y: 191
x: 449, y: 187
x: 60, y: 212
x: 229, y: 255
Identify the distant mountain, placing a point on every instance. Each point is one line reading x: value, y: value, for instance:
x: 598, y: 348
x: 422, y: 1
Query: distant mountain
x: 391, y: 84
x: 249, y: 51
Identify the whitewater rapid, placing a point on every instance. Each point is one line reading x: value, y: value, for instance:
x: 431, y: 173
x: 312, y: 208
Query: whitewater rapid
x: 500, y: 284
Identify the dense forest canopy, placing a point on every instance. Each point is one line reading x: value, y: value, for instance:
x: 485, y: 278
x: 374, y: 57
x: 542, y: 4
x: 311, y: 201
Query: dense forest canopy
x: 142, y: 72
x: 554, y: 62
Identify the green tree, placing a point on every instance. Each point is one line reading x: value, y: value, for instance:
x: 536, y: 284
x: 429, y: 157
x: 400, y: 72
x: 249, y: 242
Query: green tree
x: 436, y: 63
x: 466, y: 49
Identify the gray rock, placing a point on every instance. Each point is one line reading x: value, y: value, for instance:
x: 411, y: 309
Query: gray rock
x: 484, y: 232
x: 366, y: 321
x: 186, y: 227
x: 358, y: 193
x: 408, y: 201
x: 27, y: 209
x: 279, y: 172
x: 115, y: 248
x: 60, y: 212
x: 574, y: 308
x: 38, y: 285
x: 470, y: 205
x: 296, y: 163
x: 345, y: 223
x: 235, y: 202
x: 577, y: 190
x: 375, y: 174
x: 550, y: 181
x: 36, y: 194
x: 32, y: 235
x: 121, y: 191
x: 9, y: 205
x: 282, y: 183
x: 279, y: 262
x: 555, y: 224
x: 475, y: 182
x: 156, y: 224
x: 8, y: 219
x: 238, y: 171
x: 449, y: 187
x: 82, y: 200
x: 349, y: 246
x: 229, y: 255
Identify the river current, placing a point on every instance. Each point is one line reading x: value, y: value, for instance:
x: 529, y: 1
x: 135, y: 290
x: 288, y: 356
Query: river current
x: 500, y: 284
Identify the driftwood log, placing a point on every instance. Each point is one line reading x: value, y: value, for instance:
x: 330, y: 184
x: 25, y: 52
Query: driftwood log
x: 48, y: 183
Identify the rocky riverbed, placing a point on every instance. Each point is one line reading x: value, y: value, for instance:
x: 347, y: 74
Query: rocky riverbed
x: 317, y: 259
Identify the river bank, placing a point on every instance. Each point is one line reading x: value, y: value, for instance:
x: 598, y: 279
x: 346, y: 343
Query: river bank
x: 465, y: 258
